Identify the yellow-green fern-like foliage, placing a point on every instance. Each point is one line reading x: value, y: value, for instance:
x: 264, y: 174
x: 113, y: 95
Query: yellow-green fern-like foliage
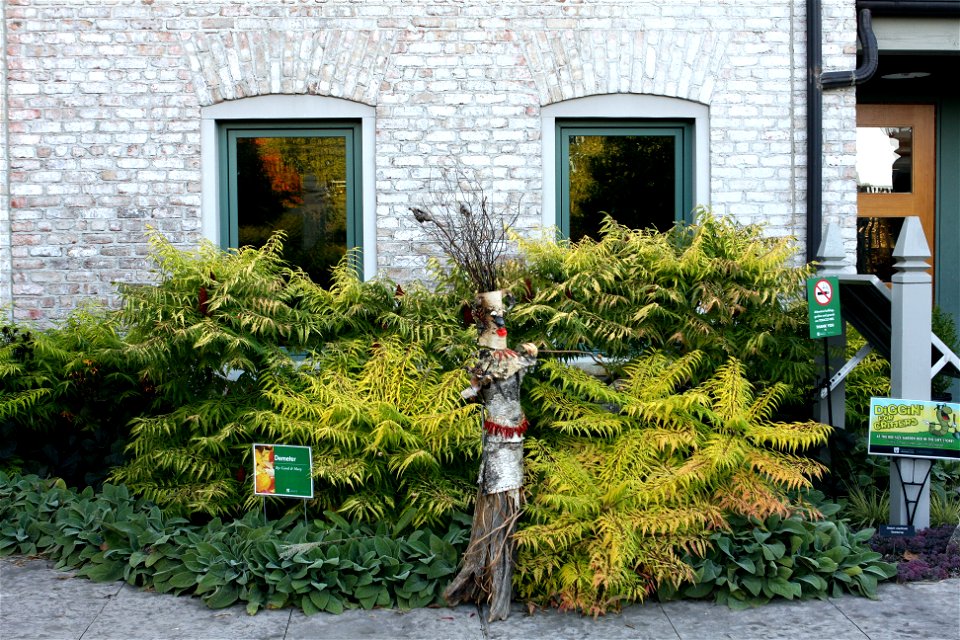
x: 237, y: 347
x: 625, y: 478
x: 718, y: 287
x: 388, y: 435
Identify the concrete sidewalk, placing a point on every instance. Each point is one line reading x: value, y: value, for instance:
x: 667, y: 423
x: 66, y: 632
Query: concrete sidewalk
x: 37, y: 601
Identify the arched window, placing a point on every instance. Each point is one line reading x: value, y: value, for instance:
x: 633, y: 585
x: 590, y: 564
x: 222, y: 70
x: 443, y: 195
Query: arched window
x: 641, y: 159
x: 301, y: 164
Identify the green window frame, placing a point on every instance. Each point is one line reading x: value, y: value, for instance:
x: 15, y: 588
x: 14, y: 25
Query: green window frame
x: 229, y: 132
x: 680, y: 132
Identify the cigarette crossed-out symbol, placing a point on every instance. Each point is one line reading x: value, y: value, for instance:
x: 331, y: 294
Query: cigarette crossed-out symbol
x: 822, y: 292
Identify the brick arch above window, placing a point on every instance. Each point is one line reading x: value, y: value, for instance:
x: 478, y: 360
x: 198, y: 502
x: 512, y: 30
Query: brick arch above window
x: 341, y: 63
x: 568, y: 64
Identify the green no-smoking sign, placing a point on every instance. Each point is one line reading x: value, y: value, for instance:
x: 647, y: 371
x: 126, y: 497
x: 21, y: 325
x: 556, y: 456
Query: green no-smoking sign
x: 823, y: 307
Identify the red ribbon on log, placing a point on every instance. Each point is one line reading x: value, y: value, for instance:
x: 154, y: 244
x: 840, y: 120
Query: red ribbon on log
x: 504, y: 431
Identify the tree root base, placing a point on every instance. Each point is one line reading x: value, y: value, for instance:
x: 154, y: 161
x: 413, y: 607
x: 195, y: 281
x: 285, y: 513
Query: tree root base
x: 487, y: 572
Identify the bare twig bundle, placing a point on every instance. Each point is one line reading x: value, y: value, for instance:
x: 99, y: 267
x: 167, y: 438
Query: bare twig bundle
x: 461, y: 220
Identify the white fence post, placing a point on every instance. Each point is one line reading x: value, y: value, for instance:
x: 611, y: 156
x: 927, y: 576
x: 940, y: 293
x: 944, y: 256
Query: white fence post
x: 912, y: 297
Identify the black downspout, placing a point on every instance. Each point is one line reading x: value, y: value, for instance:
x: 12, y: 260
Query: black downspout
x: 816, y: 83
x: 869, y: 58
x: 814, y: 130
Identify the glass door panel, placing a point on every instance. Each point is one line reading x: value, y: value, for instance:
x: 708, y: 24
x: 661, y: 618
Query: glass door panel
x: 895, y: 179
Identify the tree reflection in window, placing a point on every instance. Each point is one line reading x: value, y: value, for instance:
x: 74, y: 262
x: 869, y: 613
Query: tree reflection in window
x: 298, y: 185
x: 631, y: 178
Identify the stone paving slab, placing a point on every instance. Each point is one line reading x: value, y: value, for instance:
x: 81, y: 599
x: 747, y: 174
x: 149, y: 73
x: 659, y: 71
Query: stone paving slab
x: 40, y: 602
x: 460, y: 623
x: 642, y: 622
x: 913, y: 610
x: 813, y: 619
x: 144, y: 614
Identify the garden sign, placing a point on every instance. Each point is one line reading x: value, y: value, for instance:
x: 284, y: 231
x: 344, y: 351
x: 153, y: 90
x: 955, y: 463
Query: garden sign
x: 914, y: 429
x: 282, y: 471
x: 823, y: 307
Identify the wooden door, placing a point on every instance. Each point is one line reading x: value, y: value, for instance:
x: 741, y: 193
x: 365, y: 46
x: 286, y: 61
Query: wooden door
x: 896, y: 173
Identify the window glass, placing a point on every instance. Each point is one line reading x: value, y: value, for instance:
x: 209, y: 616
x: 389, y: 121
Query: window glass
x: 876, y: 240
x: 301, y: 180
x: 638, y: 173
x: 885, y: 159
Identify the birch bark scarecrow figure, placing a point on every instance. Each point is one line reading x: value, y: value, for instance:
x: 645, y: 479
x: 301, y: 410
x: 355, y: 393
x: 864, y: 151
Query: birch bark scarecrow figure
x: 476, y: 242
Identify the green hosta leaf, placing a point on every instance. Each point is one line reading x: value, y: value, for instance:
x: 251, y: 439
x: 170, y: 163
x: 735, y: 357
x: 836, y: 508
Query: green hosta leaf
x: 153, y: 559
x: 773, y: 550
x: 882, y: 570
x: 334, y: 605
x: 368, y: 595
x: 826, y: 564
x: 868, y: 584
x: 277, y: 600
x: 816, y: 583
x: 183, y: 580
x: 439, y: 570
x: 301, y: 586
x: 840, y: 576
x: 308, y: 607
x: 753, y: 584
x: 223, y: 597
x: 708, y: 572
x: 108, y: 571
x: 863, y: 535
x: 784, y: 589
x: 837, y: 553
x: 209, y: 582
x: 723, y: 544
x: 254, y: 598
x: 796, y: 542
x: 738, y: 604
x: 367, y: 577
x: 760, y: 535
x: 746, y: 563
x: 386, y: 548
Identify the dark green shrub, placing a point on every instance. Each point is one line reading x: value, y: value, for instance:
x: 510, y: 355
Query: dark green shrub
x: 67, y: 394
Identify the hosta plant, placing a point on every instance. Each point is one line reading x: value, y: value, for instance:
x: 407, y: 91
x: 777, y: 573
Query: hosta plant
x: 793, y: 557
x: 326, y: 564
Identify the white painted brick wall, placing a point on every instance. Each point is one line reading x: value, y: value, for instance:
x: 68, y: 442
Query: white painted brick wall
x: 102, y: 105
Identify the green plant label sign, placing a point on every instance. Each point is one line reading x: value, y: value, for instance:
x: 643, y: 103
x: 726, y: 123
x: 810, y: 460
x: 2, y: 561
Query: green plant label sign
x: 823, y: 307
x: 914, y: 429
x: 282, y: 470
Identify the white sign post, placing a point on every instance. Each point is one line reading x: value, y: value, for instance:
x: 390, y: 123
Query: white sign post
x: 910, y: 322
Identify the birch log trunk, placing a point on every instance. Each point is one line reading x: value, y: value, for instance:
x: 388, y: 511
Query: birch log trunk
x: 487, y: 570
